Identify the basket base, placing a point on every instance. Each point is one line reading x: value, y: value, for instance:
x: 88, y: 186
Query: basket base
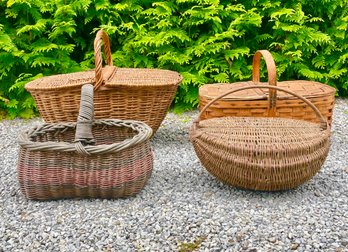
x: 267, y: 154
x: 51, y: 192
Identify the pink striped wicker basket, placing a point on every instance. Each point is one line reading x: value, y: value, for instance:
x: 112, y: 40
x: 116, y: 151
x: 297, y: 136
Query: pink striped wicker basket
x: 104, y: 158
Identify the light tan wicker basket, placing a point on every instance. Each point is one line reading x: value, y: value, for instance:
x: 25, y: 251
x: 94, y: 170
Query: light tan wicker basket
x: 261, y: 153
x: 254, y: 102
x: 122, y: 93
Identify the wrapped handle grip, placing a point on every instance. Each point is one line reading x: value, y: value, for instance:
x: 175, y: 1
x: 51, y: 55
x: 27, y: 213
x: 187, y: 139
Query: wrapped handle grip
x: 83, y: 132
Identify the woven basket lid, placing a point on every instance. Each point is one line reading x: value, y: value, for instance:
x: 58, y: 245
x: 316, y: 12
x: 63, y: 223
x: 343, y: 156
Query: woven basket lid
x: 112, y: 77
x: 143, y: 77
x: 308, y: 89
x: 264, y: 135
x: 108, y: 76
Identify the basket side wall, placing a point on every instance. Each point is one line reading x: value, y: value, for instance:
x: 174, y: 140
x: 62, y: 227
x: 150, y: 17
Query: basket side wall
x: 149, y: 105
x: 287, y: 108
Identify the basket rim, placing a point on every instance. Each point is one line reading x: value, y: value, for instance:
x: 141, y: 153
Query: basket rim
x: 301, y: 123
x: 204, y: 94
x: 35, y: 85
x: 144, y: 134
x: 199, y: 132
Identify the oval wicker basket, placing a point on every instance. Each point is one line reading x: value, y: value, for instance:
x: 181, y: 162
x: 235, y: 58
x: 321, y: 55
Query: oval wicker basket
x: 254, y: 102
x: 122, y: 93
x: 261, y: 153
x: 103, y: 158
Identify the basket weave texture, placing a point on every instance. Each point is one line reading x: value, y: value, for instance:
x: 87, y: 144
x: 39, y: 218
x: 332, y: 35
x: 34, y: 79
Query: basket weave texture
x: 122, y: 93
x: 254, y: 102
x: 104, y: 158
x: 261, y: 153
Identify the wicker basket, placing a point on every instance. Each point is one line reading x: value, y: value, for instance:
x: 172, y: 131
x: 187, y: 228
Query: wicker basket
x: 261, y: 153
x: 123, y: 93
x: 254, y: 102
x: 103, y: 158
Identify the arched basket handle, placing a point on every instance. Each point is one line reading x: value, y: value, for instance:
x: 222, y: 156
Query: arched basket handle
x: 323, y: 121
x: 101, y: 37
x: 272, y: 76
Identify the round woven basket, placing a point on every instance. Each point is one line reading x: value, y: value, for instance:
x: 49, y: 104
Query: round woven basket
x: 123, y: 93
x: 103, y: 158
x: 261, y: 153
x: 254, y: 102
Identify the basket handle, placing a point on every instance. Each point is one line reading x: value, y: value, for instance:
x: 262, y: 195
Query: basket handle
x: 272, y: 77
x: 100, y: 37
x: 83, y: 134
x: 323, y: 121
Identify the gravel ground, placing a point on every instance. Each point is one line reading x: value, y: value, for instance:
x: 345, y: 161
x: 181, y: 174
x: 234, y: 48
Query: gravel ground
x: 182, y: 208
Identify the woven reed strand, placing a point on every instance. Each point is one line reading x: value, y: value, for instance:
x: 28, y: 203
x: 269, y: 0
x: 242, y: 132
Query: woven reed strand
x: 112, y: 168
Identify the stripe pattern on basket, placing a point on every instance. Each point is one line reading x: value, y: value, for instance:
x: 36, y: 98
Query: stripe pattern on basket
x: 104, y: 158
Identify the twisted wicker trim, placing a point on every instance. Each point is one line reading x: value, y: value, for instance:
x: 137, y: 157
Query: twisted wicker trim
x: 98, y: 60
x: 26, y: 139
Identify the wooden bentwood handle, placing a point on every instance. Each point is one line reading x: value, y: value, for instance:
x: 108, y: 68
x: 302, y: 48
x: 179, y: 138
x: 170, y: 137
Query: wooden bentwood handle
x: 101, y: 36
x: 272, y: 77
x: 323, y: 121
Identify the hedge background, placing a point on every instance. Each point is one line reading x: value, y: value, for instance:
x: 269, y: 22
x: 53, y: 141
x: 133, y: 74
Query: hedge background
x: 206, y: 41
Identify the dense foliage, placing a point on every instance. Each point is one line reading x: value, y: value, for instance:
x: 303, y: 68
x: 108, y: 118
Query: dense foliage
x: 205, y: 40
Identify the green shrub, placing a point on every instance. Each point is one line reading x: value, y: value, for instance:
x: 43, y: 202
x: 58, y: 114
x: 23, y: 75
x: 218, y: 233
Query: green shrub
x: 205, y: 40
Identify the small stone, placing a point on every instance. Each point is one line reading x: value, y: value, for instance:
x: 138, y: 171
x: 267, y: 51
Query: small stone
x: 344, y: 243
x: 318, y: 194
x: 245, y: 245
x: 208, y: 194
x: 239, y: 237
x: 272, y: 239
x: 294, y: 246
